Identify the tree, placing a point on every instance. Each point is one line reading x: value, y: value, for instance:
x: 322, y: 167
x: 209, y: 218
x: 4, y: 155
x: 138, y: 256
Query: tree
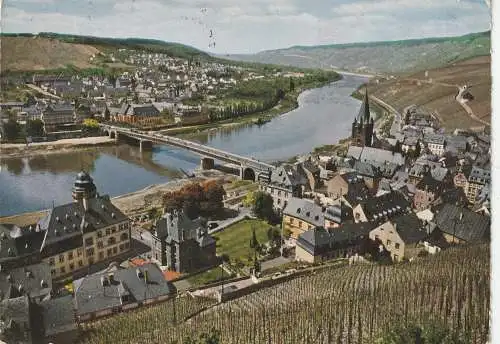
x: 34, y: 128
x: 212, y: 337
x: 263, y: 205
x: 429, y: 332
x: 274, y: 236
x: 90, y: 123
x: 11, y: 129
x: 214, y: 195
x: 292, y: 85
x: 254, y: 243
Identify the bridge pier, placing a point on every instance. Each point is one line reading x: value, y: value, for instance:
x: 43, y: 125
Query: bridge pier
x: 207, y: 164
x: 145, y: 145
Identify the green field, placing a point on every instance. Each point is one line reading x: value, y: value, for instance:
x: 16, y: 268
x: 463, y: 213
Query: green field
x: 235, y: 239
x: 209, y: 276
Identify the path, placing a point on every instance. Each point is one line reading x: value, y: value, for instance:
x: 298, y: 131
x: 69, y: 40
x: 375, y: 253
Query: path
x: 38, y: 89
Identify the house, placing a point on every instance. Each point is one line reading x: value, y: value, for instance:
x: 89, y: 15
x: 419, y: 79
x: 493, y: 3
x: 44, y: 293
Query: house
x: 312, y: 173
x: 427, y: 191
x: 435, y: 143
x: 285, y: 182
x: 182, y: 244
x: 318, y: 244
x: 346, y: 183
x: 33, y: 281
x: 337, y: 215
x: 58, y: 320
x: 56, y: 116
x: 371, y: 175
x: 377, y: 209
x: 15, y: 322
x: 477, y: 179
x: 460, y: 225
x: 375, y: 155
x: 134, y: 113
x: 402, y: 236
x: 301, y: 215
x: 123, y: 289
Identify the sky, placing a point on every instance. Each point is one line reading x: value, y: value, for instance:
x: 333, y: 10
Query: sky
x: 249, y: 26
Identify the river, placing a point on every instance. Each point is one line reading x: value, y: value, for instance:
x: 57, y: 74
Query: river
x: 323, y: 117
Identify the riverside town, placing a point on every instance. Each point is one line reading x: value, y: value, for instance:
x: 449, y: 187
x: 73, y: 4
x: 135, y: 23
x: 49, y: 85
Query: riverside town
x: 154, y: 192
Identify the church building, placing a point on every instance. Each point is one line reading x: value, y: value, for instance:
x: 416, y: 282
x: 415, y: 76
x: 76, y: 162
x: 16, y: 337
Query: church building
x: 362, y: 127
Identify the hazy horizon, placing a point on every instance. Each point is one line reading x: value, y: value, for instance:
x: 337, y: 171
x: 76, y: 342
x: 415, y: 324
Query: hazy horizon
x: 226, y: 27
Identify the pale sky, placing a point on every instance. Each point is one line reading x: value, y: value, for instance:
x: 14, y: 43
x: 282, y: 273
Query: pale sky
x: 249, y: 26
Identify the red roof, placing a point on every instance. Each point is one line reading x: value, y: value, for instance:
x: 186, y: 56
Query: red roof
x: 171, y: 275
x: 138, y: 261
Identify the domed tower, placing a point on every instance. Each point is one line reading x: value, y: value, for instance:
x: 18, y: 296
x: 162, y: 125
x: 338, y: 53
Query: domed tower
x: 84, y: 187
x: 362, y: 126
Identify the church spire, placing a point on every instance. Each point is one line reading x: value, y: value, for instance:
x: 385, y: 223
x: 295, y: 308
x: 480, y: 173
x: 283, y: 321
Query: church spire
x: 364, y: 111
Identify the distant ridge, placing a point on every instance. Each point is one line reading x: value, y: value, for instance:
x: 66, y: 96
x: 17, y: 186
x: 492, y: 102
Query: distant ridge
x: 401, y: 56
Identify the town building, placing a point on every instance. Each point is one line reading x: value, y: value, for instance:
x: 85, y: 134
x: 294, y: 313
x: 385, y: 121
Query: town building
x: 477, y: 179
x: 301, y: 215
x: 57, y: 116
x: 378, y: 209
x: 33, y: 281
x: 460, y: 225
x: 362, y: 127
x: 182, y: 244
x: 336, y: 215
x: 122, y: 289
x: 318, y: 244
x: 427, y: 191
x: 71, y: 237
x: 138, y: 113
x: 402, y: 236
x: 345, y: 184
x: 285, y: 182
x: 435, y: 143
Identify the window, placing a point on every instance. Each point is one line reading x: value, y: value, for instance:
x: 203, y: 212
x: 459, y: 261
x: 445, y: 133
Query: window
x: 101, y: 255
x: 80, y: 263
x: 79, y: 252
x: 63, y: 270
x: 72, y: 266
x: 279, y: 201
x: 70, y: 256
x: 115, y: 250
x: 90, y: 252
x: 127, y: 245
x: 108, y: 231
x: 61, y: 258
x: 396, y: 246
x: 121, y: 246
x: 89, y: 241
x: 121, y: 226
x: 109, y: 252
x: 113, y: 230
x: 99, y: 234
x: 291, y: 220
x: 52, y: 261
x: 53, y: 271
x: 100, y: 244
x: 388, y: 243
x: 300, y: 224
x: 124, y: 237
x: 279, y: 193
x: 111, y: 241
x: 396, y: 257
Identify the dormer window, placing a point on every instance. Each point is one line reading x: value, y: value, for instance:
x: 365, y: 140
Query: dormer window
x: 298, y: 210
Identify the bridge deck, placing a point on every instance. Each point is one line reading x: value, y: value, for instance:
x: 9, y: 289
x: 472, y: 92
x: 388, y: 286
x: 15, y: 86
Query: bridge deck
x: 192, y: 146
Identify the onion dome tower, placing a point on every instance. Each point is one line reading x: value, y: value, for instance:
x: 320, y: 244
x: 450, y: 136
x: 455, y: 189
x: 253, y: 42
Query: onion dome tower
x: 84, y: 187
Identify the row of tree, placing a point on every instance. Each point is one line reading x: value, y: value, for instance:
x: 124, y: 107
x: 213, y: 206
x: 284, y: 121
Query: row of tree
x: 13, y: 131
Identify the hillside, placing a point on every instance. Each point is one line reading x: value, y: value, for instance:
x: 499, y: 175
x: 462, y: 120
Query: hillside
x: 49, y: 51
x: 346, y: 304
x: 379, y: 57
x: 436, y: 93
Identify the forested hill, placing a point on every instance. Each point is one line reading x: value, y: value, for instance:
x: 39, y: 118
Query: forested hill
x: 382, y: 57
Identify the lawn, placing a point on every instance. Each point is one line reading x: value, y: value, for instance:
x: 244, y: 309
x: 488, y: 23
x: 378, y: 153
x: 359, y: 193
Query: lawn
x: 209, y: 276
x: 235, y: 239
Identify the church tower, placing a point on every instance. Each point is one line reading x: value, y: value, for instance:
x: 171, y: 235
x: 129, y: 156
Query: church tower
x: 362, y: 126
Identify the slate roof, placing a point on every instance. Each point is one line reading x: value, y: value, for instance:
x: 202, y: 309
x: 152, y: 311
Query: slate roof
x: 479, y: 175
x: 65, y: 224
x: 58, y: 315
x: 471, y: 228
x: 139, y: 110
x: 57, y: 108
x: 177, y: 227
x: 430, y: 183
x: 410, y: 228
x: 15, y: 318
x: 91, y: 296
x: 16, y: 242
x: 338, y: 213
x: 320, y: 240
x: 390, y: 204
x: 33, y: 280
x: 287, y: 176
x: 365, y: 169
x: 305, y: 210
x: 434, y: 139
x: 371, y: 154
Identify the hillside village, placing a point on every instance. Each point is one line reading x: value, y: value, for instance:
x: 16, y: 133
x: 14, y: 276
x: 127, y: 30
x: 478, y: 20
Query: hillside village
x: 391, y: 198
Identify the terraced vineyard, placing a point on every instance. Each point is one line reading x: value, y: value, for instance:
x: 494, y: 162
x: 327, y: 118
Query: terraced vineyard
x: 351, y: 304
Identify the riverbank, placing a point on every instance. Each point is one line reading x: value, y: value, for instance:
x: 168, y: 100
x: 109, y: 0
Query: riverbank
x: 20, y: 150
x: 134, y: 203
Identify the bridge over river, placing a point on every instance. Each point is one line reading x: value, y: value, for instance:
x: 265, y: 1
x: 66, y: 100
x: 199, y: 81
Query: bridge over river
x: 250, y: 169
